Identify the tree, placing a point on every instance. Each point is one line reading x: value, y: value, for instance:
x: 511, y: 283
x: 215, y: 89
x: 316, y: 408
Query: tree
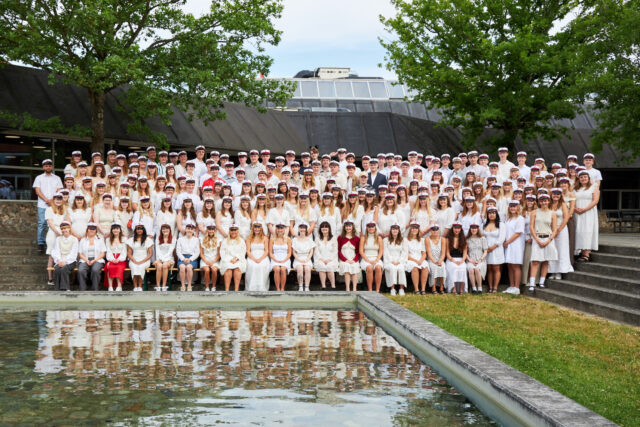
x: 165, y: 57
x: 610, y: 71
x: 500, y: 64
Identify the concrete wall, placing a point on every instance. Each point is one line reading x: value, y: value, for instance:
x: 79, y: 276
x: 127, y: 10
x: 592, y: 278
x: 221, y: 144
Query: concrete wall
x: 18, y: 217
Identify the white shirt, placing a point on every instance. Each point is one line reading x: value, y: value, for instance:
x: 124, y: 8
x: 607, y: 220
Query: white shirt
x: 72, y: 256
x: 98, y: 246
x: 48, y: 185
x: 190, y: 246
x: 504, y: 169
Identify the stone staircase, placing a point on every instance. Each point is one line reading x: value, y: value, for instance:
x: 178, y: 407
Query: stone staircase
x: 608, y: 286
x: 22, y: 267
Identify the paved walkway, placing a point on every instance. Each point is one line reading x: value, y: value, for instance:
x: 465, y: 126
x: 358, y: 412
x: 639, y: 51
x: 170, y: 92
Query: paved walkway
x: 620, y: 239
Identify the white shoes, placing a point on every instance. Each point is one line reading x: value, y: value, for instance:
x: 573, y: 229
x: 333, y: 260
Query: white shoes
x: 541, y: 285
x: 306, y: 289
x: 207, y: 290
x: 50, y: 283
x: 110, y: 289
x: 531, y: 289
x: 512, y: 291
x: 119, y: 289
x: 300, y: 289
x: 393, y: 291
x: 401, y: 291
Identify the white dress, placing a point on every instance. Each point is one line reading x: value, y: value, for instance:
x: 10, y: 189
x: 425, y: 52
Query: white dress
x: 226, y: 221
x: 257, y: 278
x: 444, y: 218
x: 243, y: 223
x: 495, y: 237
x: 415, y: 248
x: 385, y: 221
x: 303, y: 249
x: 164, y: 251
x: 422, y: 217
x: 514, y: 253
x: 274, y: 217
x: 542, y: 225
x: 262, y: 219
x: 436, y: 271
x: 230, y: 249
x: 563, y: 263
x: 279, y: 252
x: 371, y: 250
x: 349, y: 252
x: 298, y: 219
x: 210, y: 253
x: 79, y: 220
x: 326, y: 250
x: 586, y: 224
x: 467, y: 220
x: 357, y: 219
x: 395, y: 274
x: 165, y: 218
x: 51, y: 235
x: 366, y: 219
x: 139, y: 252
x: 335, y: 222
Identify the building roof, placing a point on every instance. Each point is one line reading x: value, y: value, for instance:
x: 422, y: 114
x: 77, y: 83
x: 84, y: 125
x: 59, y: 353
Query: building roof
x: 371, y: 126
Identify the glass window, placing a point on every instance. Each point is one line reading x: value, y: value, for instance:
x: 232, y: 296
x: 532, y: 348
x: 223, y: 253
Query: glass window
x: 297, y: 93
x: 343, y: 90
x: 309, y: 89
x: 378, y: 90
x: 327, y: 89
x: 361, y: 90
x: 395, y: 90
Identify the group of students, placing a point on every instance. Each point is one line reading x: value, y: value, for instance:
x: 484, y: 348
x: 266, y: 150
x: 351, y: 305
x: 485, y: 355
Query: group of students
x: 447, y: 224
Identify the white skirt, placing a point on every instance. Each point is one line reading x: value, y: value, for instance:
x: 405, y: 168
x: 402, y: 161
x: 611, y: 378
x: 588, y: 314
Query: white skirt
x: 331, y: 267
x: 456, y: 273
x: 394, y: 274
x: 225, y: 265
x: 410, y: 265
x: 346, y: 268
x: 482, y: 266
x: 286, y: 264
x: 496, y: 256
x: 364, y: 264
x: 548, y: 253
x: 139, y: 269
x: 563, y: 263
x: 257, y: 277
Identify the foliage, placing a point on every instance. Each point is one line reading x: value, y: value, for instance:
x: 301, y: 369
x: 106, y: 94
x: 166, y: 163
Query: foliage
x: 593, y: 361
x: 501, y: 64
x: 165, y: 57
x: 612, y: 80
x: 27, y: 122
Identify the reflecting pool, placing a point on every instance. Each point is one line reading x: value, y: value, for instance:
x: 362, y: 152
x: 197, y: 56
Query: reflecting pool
x: 164, y: 367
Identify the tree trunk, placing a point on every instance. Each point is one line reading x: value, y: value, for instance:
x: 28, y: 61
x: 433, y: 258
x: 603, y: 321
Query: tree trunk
x: 97, y: 120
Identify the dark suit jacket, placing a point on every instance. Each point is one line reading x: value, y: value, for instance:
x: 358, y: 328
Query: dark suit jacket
x: 380, y: 180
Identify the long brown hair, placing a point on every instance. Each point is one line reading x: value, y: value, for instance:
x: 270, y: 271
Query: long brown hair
x: 462, y: 241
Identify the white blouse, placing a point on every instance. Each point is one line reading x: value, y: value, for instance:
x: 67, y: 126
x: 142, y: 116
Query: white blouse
x: 98, y: 247
x: 190, y: 246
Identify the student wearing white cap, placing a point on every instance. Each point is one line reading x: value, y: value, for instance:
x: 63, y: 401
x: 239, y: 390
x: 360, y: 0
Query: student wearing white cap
x: 456, y: 258
x: 504, y: 165
x: 514, y: 244
x: 586, y: 215
x: 64, y: 255
x: 45, y: 185
x: 91, y: 254
x: 395, y: 258
x: 543, y: 227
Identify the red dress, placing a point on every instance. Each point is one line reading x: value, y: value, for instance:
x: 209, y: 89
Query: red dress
x: 114, y: 271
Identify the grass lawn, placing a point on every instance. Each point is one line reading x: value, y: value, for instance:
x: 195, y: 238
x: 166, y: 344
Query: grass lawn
x: 593, y: 361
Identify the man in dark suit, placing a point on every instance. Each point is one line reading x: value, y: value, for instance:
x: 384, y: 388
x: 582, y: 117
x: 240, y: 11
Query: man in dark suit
x: 376, y: 179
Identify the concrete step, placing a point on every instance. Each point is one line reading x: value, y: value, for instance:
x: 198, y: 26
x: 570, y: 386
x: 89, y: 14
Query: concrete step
x: 609, y: 270
x: 17, y: 270
x: 616, y: 283
x: 590, y: 305
x: 597, y: 293
x: 39, y: 260
x: 20, y: 250
x: 17, y: 240
x: 616, y: 259
x: 620, y: 250
x: 26, y: 278
x: 25, y: 287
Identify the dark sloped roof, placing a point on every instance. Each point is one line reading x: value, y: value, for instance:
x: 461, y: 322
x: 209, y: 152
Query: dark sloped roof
x: 371, y: 126
x: 27, y: 89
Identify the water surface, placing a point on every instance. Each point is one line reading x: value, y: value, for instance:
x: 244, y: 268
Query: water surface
x: 164, y: 367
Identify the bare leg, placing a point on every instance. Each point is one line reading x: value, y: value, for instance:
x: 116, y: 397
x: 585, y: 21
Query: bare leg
x: 182, y: 276
x: 227, y: 279
x: 307, y: 276
x: 369, y: 276
x: 283, y: 278
x: 323, y: 278
x: 332, y: 279
x: 300, y: 274
x: 50, y: 265
x: 415, y: 278
x: 347, y: 281
x: 378, y: 277
x: 206, y: 270
x: 159, y: 269
x: 237, y: 275
x: 424, y: 276
x: 189, y: 275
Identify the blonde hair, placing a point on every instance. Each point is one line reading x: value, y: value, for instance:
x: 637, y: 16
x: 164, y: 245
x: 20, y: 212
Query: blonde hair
x: 209, y: 241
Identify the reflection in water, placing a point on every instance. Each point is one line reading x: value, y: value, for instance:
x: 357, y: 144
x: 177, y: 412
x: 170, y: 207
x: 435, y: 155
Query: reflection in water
x: 161, y: 366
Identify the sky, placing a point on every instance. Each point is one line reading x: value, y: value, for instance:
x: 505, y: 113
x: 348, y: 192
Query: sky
x: 317, y: 33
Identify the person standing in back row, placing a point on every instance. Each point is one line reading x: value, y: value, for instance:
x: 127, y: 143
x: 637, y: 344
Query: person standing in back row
x: 45, y: 185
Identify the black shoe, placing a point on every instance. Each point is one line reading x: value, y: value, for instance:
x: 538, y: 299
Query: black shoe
x: 41, y: 248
